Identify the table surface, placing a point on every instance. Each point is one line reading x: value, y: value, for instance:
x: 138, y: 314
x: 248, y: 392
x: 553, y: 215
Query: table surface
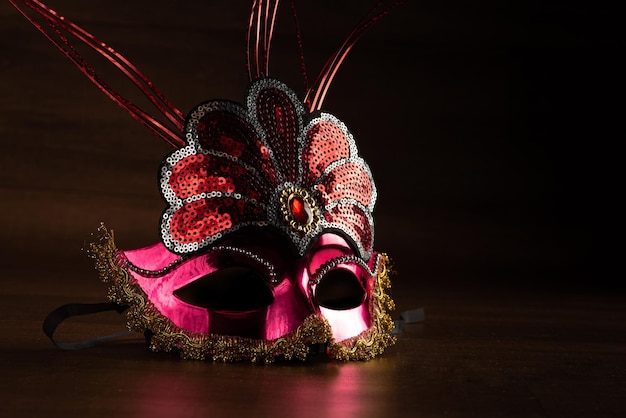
x: 487, y: 354
x: 490, y: 203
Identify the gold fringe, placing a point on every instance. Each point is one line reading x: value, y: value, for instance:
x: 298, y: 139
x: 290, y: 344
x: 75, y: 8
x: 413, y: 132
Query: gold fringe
x: 143, y: 315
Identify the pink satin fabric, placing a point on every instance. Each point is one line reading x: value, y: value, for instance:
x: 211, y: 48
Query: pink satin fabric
x: 293, y: 296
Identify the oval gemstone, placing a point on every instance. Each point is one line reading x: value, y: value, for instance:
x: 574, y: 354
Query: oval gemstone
x: 300, y: 210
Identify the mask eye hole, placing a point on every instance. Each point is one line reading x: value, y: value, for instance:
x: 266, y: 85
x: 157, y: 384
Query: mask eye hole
x: 237, y: 288
x: 339, y: 289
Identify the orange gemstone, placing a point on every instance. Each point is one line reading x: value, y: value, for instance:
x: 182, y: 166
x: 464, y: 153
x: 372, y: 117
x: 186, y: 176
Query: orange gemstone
x: 300, y: 210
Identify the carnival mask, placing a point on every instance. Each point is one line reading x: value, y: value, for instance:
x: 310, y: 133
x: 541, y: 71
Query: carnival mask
x: 267, y: 236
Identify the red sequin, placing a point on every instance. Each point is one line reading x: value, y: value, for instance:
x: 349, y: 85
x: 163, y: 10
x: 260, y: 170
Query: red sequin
x: 353, y: 220
x: 239, y: 158
x: 278, y: 118
x: 347, y: 181
x: 326, y: 143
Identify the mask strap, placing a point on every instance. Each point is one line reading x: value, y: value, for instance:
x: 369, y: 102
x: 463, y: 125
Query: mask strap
x: 411, y: 316
x: 57, y: 316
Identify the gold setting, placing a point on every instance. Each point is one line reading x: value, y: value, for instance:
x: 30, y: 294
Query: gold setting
x: 143, y: 315
x: 285, y: 199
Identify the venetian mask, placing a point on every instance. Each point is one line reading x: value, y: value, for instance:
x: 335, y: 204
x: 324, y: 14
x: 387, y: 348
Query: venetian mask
x: 267, y: 233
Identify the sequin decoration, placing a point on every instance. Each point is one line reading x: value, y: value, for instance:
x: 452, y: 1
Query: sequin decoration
x: 241, y: 162
x: 325, y: 144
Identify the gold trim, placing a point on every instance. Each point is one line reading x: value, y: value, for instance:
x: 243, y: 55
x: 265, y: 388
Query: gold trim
x: 376, y: 339
x: 143, y: 315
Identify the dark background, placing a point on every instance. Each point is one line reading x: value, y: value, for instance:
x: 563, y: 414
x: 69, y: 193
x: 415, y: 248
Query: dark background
x: 490, y: 127
x: 492, y: 130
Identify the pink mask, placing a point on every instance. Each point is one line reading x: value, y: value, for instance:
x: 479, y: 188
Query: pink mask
x: 266, y: 239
